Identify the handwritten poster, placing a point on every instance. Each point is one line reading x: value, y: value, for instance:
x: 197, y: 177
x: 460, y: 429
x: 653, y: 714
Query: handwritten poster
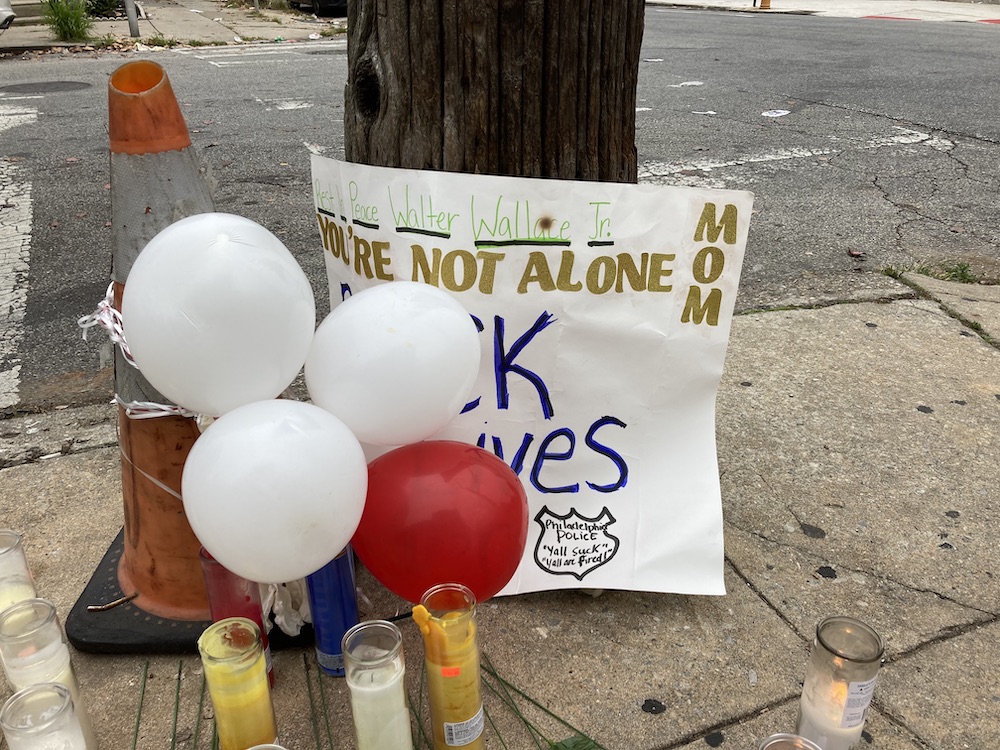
x: 604, y: 311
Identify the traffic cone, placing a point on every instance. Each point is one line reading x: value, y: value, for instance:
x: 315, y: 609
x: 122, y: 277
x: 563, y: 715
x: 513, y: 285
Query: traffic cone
x: 155, y: 181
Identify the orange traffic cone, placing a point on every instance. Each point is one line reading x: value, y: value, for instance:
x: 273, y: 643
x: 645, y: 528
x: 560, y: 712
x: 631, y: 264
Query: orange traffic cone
x: 155, y: 181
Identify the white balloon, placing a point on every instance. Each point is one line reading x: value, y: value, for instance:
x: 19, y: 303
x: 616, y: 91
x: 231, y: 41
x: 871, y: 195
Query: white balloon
x: 396, y: 362
x: 217, y: 313
x: 274, y: 490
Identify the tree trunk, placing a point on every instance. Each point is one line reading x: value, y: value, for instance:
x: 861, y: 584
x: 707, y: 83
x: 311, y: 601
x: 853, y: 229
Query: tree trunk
x: 533, y: 88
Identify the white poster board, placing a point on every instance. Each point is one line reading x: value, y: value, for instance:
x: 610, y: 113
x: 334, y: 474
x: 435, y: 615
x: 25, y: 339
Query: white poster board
x: 604, y: 311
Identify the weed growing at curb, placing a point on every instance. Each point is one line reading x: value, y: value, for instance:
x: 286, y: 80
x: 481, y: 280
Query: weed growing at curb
x: 263, y: 16
x: 961, y: 272
x: 158, y: 40
x: 333, y: 31
x: 958, y: 271
x: 68, y: 20
x: 266, y: 4
x: 104, y: 42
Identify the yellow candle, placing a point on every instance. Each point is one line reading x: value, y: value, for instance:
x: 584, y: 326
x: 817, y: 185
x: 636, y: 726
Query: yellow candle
x: 452, y: 658
x: 236, y: 673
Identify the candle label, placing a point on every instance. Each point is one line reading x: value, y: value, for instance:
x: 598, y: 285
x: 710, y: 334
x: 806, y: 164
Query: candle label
x: 859, y: 697
x: 451, y: 671
x: 466, y: 732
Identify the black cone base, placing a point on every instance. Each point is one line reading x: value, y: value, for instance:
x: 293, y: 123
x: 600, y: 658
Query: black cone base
x: 128, y: 629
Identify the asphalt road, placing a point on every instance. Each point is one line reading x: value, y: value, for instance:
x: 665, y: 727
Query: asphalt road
x: 885, y: 157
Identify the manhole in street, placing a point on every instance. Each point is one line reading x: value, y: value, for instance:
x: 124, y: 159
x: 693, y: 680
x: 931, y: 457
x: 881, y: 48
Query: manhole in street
x: 44, y: 87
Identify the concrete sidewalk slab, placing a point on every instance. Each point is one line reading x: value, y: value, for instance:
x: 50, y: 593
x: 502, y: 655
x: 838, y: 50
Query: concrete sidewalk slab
x: 186, y: 22
x: 857, y: 448
x: 977, y: 304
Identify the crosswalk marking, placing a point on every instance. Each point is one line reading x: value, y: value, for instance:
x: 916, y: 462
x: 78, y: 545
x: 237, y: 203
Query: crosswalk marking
x: 15, y: 250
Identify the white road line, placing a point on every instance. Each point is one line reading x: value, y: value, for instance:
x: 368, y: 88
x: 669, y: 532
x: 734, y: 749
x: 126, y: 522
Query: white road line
x: 699, y: 173
x: 243, y: 54
x: 15, y: 250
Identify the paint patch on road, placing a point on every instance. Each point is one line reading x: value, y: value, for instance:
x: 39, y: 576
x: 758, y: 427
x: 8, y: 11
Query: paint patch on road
x: 15, y: 252
x: 270, y: 104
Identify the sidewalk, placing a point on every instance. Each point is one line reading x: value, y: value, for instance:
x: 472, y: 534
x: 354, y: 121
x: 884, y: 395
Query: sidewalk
x: 189, y: 22
x: 858, y: 453
x: 859, y: 463
x: 213, y: 22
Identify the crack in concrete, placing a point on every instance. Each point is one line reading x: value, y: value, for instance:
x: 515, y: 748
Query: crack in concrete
x: 989, y: 614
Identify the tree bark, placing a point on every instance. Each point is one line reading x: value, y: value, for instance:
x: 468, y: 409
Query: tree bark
x: 534, y: 88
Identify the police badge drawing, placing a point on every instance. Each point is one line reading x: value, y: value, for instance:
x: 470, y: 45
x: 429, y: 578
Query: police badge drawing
x: 604, y: 312
x: 574, y: 545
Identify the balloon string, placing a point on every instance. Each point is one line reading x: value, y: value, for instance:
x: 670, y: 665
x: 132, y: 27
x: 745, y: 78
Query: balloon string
x: 151, y: 409
x: 169, y: 490
x: 110, y: 319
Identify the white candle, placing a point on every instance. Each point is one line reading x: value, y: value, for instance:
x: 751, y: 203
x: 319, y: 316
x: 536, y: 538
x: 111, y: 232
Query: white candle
x: 15, y: 577
x: 50, y: 664
x: 378, y: 703
x: 41, y: 717
x: 833, y: 715
x: 14, y: 590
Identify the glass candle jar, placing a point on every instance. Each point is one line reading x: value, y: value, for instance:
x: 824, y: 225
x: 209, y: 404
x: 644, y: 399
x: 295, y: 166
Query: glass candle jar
x: 373, y: 661
x: 839, y: 683
x: 446, y: 617
x: 16, y: 583
x: 788, y: 742
x: 33, y: 651
x: 41, y: 717
x: 231, y: 595
x: 236, y: 674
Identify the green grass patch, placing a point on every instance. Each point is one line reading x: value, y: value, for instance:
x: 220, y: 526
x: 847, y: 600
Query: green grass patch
x: 68, y: 20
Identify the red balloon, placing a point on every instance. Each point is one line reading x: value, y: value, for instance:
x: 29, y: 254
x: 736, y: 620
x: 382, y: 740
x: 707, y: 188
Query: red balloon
x: 440, y: 511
